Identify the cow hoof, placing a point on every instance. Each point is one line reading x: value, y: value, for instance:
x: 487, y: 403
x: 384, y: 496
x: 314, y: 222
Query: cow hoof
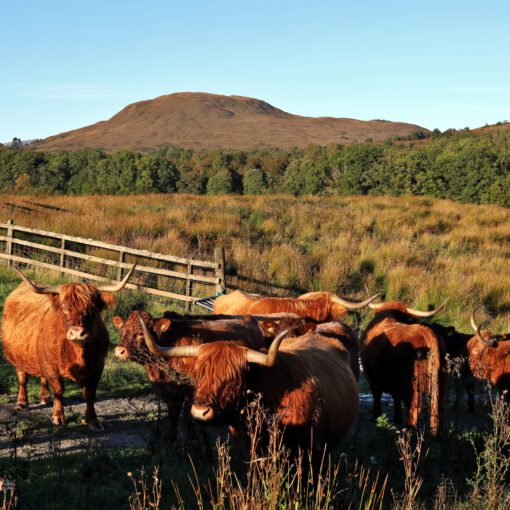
x: 95, y: 426
x: 58, y: 420
x: 45, y: 401
x: 21, y: 405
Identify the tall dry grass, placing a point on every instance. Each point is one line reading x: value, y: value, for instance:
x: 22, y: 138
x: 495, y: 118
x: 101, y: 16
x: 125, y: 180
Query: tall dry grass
x: 267, y: 477
x: 415, y: 249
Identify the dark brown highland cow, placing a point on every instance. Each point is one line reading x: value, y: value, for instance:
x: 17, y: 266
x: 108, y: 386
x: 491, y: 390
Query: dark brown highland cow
x: 167, y: 374
x: 406, y: 360
x: 56, y: 333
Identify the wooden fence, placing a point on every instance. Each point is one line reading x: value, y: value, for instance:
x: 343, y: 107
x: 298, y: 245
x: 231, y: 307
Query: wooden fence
x: 183, y: 279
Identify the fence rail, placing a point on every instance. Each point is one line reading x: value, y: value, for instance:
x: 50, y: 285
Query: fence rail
x: 179, y: 278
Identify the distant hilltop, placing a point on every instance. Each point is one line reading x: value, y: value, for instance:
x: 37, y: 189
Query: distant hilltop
x: 201, y: 121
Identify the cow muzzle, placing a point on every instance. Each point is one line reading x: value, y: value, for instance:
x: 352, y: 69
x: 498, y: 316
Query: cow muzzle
x: 121, y: 352
x: 77, y: 334
x: 202, y: 413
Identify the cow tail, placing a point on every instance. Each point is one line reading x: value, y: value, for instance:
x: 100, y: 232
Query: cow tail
x: 436, y: 383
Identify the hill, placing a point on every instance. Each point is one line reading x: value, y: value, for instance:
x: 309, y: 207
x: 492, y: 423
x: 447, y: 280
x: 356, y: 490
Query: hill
x: 200, y: 120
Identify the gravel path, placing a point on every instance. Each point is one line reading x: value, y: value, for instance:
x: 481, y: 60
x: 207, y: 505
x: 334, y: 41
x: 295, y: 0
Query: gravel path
x: 127, y: 422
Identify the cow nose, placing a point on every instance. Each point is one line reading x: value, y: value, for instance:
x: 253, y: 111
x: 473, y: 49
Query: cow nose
x: 202, y: 413
x: 121, y: 352
x: 77, y: 334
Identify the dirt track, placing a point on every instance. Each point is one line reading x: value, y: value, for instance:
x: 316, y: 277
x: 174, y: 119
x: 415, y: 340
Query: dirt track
x: 127, y: 422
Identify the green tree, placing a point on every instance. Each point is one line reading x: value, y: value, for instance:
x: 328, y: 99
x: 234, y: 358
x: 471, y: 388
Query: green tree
x: 16, y: 144
x: 353, y: 164
x: 193, y: 183
x: 293, y: 181
x: 221, y: 183
x: 167, y: 175
x: 254, y: 182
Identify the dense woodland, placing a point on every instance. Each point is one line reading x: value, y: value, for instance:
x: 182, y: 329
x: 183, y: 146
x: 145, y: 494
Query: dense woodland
x: 465, y: 166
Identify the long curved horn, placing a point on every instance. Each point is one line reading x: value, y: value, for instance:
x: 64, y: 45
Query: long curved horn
x: 375, y: 306
x: 419, y: 313
x: 269, y: 359
x: 181, y: 351
x: 117, y: 286
x: 38, y: 289
x: 274, y: 316
x: 354, y: 306
x: 491, y: 342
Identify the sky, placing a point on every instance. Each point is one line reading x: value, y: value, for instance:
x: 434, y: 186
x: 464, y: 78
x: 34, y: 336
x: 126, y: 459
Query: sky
x: 440, y: 64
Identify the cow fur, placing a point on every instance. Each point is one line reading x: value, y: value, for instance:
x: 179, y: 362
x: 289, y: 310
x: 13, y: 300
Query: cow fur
x: 332, y: 330
x: 311, y: 389
x: 491, y: 362
x: 34, y: 329
x: 170, y: 376
x: 406, y: 360
x: 318, y: 306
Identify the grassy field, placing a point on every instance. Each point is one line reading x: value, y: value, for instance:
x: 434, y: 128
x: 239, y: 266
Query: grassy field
x: 418, y: 250
x: 413, y: 249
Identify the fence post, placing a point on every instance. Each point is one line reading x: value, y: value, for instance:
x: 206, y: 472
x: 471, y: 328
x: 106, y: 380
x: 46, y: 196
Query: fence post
x: 62, y: 254
x: 189, y: 287
x: 219, y: 258
x: 122, y: 256
x: 8, y: 244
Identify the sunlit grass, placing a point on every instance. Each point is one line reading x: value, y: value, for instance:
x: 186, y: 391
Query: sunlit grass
x: 413, y: 248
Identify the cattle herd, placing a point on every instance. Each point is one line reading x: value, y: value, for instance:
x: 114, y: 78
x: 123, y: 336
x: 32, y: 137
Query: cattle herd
x: 294, y: 355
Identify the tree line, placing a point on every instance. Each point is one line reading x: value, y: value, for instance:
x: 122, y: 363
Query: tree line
x: 463, y: 166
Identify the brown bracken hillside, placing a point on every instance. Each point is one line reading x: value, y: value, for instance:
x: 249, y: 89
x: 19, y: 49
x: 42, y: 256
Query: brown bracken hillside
x: 200, y: 120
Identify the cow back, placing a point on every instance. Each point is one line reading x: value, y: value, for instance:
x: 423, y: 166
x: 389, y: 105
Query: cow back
x: 312, y: 388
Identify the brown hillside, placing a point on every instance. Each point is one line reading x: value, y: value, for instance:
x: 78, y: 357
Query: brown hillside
x: 199, y: 120
x: 502, y: 126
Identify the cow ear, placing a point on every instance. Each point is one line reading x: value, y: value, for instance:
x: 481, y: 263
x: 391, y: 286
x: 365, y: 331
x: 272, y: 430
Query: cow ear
x: 108, y: 299
x: 268, y: 327
x: 164, y: 325
x: 118, y: 322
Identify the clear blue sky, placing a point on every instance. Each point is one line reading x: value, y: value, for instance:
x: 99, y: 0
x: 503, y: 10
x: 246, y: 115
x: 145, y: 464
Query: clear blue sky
x: 66, y: 64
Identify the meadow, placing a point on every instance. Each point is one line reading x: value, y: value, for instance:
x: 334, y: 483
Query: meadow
x: 417, y: 250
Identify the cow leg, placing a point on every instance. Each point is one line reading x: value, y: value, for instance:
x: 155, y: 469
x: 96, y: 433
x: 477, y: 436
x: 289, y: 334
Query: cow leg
x: 44, y: 392
x: 183, y: 424
x: 89, y: 395
x: 415, y: 408
x: 377, y: 395
x: 174, y: 410
x: 57, y: 385
x: 22, y: 402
